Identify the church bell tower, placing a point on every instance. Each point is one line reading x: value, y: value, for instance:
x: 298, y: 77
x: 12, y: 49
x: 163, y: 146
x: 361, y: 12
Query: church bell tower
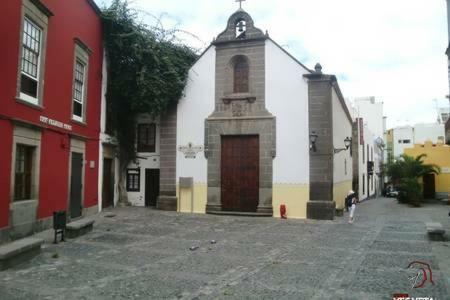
x: 240, y: 142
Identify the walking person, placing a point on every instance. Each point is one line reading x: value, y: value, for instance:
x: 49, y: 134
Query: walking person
x: 353, y: 202
x: 348, y: 200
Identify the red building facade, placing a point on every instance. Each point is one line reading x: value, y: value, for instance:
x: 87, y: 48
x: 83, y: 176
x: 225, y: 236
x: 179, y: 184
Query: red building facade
x: 50, y: 97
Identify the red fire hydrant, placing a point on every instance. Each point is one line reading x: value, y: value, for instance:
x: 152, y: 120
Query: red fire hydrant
x: 283, y: 211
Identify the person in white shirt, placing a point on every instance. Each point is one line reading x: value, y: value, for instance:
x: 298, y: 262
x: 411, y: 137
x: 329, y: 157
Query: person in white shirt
x: 352, y: 204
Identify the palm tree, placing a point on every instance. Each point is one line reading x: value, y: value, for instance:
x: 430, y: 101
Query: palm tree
x: 405, y: 172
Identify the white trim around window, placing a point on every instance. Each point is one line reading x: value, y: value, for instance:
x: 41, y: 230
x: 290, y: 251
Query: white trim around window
x: 80, y: 80
x: 30, y: 79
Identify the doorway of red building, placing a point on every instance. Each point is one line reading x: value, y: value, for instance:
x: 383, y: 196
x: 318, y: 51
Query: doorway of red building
x: 76, y: 186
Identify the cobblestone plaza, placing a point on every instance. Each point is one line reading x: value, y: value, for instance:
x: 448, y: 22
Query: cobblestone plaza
x: 145, y: 254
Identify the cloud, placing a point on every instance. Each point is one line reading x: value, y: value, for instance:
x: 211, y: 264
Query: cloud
x: 393, y: 50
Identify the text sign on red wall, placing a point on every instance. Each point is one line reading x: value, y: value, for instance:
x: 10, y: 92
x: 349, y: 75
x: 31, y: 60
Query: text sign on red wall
x: 55, y: 123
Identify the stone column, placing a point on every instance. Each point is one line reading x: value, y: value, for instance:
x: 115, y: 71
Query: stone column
x: 321, y: 205
x: 167, y: 199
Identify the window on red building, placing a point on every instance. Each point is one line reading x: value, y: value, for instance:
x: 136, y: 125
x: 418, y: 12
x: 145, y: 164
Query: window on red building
x: 78, y: 90
x: 23, y: 172
x: 33, y: 36
x: 146, y: 138
x: 80, y: 82
x: 30, y: 63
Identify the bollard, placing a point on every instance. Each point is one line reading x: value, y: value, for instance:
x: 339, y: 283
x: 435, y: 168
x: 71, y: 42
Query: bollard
x: 283, y: 211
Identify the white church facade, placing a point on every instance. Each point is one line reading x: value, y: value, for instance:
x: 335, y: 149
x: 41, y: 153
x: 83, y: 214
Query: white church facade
x: 255, y: 130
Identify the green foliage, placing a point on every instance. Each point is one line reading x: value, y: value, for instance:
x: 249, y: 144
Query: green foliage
x: 147, y: 72
x: 410, y: 191
x: 405, y: 172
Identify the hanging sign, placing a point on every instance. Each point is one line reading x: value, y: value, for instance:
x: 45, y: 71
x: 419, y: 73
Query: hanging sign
x: 190, y: 151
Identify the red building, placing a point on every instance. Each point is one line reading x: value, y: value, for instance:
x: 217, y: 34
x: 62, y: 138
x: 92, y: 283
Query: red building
x: 50, y: 96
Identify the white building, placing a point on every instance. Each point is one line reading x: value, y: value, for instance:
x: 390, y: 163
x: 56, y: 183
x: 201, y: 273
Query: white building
x: 108, y: 178
x: 372, y: 113
x: 406, y: 136
x: 369, y: 131
x: 403, y: 137
x: 254, y: 131
x: 429, y: 132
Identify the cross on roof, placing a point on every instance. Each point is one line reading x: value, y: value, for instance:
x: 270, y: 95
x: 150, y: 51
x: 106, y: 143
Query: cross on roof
x: 240, y: 3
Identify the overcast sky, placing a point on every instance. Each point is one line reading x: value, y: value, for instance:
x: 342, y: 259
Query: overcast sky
x: 391, y: 49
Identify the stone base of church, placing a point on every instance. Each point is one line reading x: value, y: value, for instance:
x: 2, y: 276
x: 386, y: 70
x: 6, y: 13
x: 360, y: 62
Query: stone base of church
x: 240, y: 213
x: 213, y: 208
x: 266, y: 210
x: 168, y: 203
x: 320, y: 210
x: 262, y: 211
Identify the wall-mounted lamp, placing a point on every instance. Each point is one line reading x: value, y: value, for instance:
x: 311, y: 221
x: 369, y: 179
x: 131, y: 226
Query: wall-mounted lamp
x: 312, y: 141
x: 347, y: 143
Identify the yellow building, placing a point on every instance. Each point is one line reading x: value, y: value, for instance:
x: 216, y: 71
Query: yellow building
x: 438, y: 154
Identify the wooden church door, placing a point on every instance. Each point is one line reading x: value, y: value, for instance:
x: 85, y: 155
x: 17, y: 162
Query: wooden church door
x: 240, y: 173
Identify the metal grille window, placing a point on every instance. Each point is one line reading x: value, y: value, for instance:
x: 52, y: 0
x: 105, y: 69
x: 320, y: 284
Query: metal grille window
x: 30, y: 61
x: 133, y: 180
x: 78, y: 90
x: 146, y: 138
x: 23, y: 172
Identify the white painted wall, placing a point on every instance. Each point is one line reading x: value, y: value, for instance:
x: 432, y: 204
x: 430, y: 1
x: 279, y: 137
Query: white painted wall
x: 287, y: 99
x: 145, y: 160
x: 105, y: 138
x: 418, y: 134
x: 372, y: 113
x: 342, y: 128
x: 448, y: 20
x: 369, y: 141
x: 431, y: 132
x: 195, y: 106
x: 400, y: 135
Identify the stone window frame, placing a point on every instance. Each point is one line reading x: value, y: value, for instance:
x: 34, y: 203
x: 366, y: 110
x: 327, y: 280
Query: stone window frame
x: 235, y: 60
x: 81, y: 55
x: 38, y: 15
x: 31, y: 138
x: 146, y: 148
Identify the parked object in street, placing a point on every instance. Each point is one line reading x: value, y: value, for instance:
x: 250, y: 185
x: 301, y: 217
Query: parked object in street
x: 392, y: 194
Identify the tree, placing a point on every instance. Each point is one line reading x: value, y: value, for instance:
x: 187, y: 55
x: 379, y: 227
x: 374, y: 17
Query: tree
x: 147, y: 72
x: 405, y: 173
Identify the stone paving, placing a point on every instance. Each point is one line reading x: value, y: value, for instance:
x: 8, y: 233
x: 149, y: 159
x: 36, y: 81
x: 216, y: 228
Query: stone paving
x: 144, y: 254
